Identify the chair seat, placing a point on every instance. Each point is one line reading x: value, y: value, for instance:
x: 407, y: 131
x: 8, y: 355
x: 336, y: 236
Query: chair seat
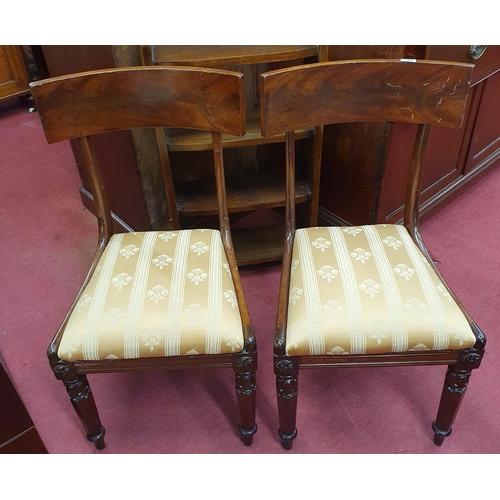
x: 156, y: 294
x: 368, y: 290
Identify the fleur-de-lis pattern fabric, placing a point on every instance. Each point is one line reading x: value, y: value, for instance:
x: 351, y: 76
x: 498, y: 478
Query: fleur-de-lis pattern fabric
x: 366, y: 290
x: 156, y: 294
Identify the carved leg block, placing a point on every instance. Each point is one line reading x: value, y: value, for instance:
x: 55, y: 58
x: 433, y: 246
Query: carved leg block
x: 287, y: 389
x: 82, y: 399
x: 245, y: 394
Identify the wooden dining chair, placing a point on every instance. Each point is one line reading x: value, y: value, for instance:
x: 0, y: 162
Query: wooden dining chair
x: 156, y: 299
x: 367, y: 295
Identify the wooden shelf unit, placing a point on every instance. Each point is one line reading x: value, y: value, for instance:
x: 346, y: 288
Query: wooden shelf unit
x: 224, y: 55
x: 255, y: 177
x: 244, y: 193
x: 248, y: 253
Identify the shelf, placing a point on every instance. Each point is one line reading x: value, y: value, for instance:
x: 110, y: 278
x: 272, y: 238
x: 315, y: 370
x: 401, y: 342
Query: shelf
x: 194, y: 140
x: 258, y: 244
x: 226, y: 55
x: 246, y: 192
x: 243, y: 193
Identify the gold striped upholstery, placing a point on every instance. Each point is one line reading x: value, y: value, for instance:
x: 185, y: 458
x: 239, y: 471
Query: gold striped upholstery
x: 156, y: 294
x: 366, y: 290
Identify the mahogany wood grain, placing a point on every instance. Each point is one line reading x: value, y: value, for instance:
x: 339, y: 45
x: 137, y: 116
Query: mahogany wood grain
x: 337, y: 92
x: 424, y: 93
x: 121, y: 99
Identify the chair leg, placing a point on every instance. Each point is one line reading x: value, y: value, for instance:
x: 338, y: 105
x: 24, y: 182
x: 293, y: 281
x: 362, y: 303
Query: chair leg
x: 82, y: 399
x: 455, y: 385
x: 286, y: 372
x: 244, y: 368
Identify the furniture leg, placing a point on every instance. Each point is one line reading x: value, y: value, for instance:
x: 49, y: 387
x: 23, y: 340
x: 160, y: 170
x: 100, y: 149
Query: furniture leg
x: 245, y: 394
x: 82, y: 399
x: 455, y: 385
x: 286, y: 389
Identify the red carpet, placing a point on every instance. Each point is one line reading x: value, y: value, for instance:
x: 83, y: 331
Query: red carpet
x: 47, y: 247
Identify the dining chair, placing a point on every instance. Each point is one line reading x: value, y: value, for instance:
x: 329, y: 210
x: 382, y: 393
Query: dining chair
x: 369, y: 295
x: 152, y: 300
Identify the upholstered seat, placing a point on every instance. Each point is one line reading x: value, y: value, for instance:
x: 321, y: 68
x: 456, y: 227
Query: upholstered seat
x: 367, y: 290
x: 156, y: 294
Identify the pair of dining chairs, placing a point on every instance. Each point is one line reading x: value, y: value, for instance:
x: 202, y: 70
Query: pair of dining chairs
x: 349, y: 296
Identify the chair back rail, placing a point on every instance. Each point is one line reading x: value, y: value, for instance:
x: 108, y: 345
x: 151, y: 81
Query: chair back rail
x: 427, y: 92
x: 118, y: 99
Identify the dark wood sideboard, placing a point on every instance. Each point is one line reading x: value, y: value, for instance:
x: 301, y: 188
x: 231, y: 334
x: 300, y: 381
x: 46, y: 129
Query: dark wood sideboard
x: 350, y: 190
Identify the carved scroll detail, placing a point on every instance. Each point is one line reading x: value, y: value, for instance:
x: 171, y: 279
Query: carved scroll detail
x: 285, y: 366
x: 472, y: 358
x: 244, y: 362
x: 62, y: 371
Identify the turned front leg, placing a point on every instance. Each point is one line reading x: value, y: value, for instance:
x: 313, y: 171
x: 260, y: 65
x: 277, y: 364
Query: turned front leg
x: 287, y: 385
x: 244, y: 368
x: 455, y: 385
x: 82, y: 399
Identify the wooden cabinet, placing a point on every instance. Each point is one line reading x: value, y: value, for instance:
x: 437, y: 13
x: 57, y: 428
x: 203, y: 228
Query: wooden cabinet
x: 484, y: 148
x: 17, y: 432
x: 455, y: 157
x: 14, y: 80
